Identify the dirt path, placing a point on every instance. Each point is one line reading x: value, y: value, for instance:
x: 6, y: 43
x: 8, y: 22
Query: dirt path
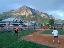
x: 44, y: 39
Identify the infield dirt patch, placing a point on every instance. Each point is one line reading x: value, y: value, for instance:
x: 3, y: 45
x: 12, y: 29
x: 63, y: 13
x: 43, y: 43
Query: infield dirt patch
x: 45, y: 39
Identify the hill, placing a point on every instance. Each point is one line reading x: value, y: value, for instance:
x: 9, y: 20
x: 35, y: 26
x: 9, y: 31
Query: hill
x: 26, y: 13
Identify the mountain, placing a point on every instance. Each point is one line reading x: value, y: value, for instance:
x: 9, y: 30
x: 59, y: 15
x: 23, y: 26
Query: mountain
x: 27, y: 11
x: 59, y: 21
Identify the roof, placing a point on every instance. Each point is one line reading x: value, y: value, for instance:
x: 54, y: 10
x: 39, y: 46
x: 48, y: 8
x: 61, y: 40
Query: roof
x: 11, y: 19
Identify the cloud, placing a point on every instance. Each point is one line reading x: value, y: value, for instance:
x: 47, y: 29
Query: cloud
x: 57, y: 14
x: 53, y: 7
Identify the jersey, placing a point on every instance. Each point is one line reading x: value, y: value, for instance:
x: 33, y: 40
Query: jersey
x: 55, y: 32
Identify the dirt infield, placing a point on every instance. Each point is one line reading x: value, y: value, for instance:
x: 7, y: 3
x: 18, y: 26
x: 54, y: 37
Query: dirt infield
x: 45, y: 39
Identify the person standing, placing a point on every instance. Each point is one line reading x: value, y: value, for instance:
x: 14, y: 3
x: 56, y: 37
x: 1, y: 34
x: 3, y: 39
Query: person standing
x: 16, y: 30
x: 55, y: 35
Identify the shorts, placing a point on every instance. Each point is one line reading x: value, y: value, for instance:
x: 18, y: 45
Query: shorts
x: 16, y: 31
x: 55, y: 36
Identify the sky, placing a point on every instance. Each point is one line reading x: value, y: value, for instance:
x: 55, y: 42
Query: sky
x: 52, y: 7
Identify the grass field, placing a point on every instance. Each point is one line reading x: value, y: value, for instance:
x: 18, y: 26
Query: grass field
x: 61, y: 32
x: 9, y: 40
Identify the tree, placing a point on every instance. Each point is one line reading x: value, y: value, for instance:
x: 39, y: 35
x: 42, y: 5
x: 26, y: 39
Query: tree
x: 51, y: 22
